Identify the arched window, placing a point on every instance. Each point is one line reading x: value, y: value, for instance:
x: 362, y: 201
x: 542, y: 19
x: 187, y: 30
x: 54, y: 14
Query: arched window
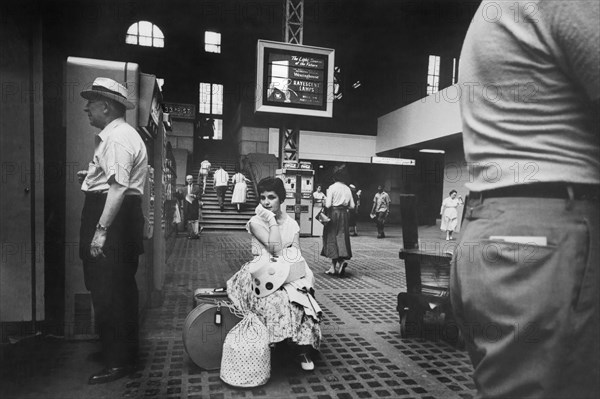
x: 144, y: 33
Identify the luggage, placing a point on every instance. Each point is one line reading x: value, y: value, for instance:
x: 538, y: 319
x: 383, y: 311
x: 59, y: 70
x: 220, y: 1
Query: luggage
x: 420, y: 317
x: 246, y: 360
x: 209, y: 295
x: 204, y: 332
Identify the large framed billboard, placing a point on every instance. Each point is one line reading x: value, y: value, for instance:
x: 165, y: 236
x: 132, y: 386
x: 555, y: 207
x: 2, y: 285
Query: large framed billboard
x: 294, y: 79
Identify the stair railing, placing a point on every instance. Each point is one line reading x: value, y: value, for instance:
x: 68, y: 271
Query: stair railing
x: 248, y: 171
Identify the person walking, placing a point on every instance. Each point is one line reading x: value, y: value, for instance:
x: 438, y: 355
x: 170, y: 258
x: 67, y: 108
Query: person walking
x: 203, y: 174
x: 527, y: 264
x: 336, y: 235
x: 380, y: 210
x: 240, y: 189
x: 220, y: 182
x: 449, y: 213
x: 112, y: 225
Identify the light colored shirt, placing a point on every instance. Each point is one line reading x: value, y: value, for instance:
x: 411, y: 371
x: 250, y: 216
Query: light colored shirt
x: 120, y: 154
x: 319, y: 196
x: 221, y: 177
x: 339, y: 194
x: 382, y: 202
x: 238, y: 178
x: 526, y: 87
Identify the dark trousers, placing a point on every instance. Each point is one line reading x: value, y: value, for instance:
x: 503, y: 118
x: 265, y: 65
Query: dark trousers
x: 530, y: 311
x: 380, y: 221
x: 221, y: 190
x: 111, y: 279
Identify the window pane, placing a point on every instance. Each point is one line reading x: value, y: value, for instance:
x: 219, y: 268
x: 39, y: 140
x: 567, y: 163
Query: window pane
x: 131, y: 39
x: 204, y: 100
x: 157, y: 33
x: 212, y: 38
x: 212, y: 48
x: 145, y: 28
x: 145, y: 41
x: 218, y: 129
x: 133, y: 29
x: 431, y: 69
x: 217, y: 99
x: 158, y: 42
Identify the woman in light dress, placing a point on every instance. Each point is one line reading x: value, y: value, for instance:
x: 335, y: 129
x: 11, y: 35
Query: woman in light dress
x: 240, y: 189
x: 449, y: 213
x: 275, y: 233
x: 319, y: 196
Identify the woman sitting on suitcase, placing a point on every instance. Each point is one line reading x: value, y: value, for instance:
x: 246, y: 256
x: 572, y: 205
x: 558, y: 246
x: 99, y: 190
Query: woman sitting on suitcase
x: 287, y: 308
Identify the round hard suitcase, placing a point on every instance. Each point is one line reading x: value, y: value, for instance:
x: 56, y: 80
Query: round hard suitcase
x: 204, y: 332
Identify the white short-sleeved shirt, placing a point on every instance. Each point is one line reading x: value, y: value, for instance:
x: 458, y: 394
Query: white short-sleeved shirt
x: 526, y: 87
x: 221, y: 177
x: 120, y: 153
x: 339, y: 194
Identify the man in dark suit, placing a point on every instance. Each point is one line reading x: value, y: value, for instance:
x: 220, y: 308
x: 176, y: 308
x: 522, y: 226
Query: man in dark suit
x: 191, y: 207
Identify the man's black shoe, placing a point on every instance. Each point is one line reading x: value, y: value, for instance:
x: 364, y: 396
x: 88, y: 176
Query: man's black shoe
x: 109, y: 374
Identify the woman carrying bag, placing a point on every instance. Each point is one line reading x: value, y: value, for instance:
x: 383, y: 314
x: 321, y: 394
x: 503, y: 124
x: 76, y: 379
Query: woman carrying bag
x: 336, y: 233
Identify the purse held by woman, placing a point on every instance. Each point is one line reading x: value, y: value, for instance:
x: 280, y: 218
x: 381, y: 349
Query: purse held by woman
x: 322, y: 217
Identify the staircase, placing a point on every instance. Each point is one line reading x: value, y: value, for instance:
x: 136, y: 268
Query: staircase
x: 230, y: 219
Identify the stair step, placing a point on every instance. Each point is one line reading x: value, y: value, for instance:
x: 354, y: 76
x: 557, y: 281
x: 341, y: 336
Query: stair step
x: 223, y: 227
x: 229, y: 219
x: 224, y: 222
x: 218, y: 216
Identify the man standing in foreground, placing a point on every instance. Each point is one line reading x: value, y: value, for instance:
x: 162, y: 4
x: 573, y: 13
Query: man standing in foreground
x: 380, y: 210
x: 112, y: 225
x: 525, y: 277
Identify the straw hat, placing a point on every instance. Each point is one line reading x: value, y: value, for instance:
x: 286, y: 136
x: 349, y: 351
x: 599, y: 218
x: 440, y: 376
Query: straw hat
x: 270, y: 273
x: 110, y: 89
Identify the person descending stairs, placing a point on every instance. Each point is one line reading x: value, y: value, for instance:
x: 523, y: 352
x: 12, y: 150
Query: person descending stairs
x: 229, y: 219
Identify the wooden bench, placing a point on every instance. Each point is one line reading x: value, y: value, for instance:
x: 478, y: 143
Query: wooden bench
x: 424, y: 309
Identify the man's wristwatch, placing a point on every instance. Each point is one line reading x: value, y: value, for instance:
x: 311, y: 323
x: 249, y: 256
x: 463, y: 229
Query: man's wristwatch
x: 101, y: 227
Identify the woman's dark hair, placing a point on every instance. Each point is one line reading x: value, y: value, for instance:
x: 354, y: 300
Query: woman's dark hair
x: 274, y: 184
x: 452, y: 191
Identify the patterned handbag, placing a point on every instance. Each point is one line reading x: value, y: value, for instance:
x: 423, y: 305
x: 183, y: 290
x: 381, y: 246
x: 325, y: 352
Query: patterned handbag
x: 246, y: 360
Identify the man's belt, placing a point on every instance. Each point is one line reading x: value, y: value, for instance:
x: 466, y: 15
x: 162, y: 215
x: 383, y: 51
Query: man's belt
x: 559, y: 190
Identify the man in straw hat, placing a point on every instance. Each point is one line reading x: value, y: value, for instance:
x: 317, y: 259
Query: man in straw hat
x: 112, y: 225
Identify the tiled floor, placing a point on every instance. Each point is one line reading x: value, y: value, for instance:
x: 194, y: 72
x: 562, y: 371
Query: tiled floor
x: 362, y: 355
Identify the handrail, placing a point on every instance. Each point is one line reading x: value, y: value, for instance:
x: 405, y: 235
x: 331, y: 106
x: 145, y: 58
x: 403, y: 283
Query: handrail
x: 247, y: 169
